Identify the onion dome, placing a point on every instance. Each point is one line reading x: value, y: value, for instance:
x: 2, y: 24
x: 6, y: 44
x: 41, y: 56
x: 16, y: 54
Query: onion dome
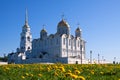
x: 43, y: 33
x: 63, y: 23
x: 43, y: 30
x: 78, y: 29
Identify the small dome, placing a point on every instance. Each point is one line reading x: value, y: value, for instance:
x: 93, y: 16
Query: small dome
x: 78, y: 29
x: 63, y: 23
x: 43, y: 30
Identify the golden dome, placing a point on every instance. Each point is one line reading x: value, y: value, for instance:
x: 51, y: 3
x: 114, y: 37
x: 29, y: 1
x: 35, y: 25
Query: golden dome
x: 43, y: 30
x: 63, y: 23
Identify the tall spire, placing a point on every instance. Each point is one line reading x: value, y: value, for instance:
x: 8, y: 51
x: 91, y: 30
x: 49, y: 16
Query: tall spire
x: 26, y: 17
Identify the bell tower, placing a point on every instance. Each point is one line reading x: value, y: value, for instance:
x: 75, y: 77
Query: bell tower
x: 26, y: 37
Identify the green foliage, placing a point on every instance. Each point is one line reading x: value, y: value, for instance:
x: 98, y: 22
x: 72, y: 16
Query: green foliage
x: 60, y: 72
x: 4, y: 59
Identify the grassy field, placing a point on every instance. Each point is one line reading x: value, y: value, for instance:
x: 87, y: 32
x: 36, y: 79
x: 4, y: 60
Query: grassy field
x: 60, y: 72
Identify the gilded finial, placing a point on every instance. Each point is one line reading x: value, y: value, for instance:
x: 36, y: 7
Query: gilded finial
x: 62, y: 16
x: 43, y: 30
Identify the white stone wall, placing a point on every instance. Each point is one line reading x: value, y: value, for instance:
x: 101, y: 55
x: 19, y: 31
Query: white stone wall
x: 72, y: 46
x: 51, y: 45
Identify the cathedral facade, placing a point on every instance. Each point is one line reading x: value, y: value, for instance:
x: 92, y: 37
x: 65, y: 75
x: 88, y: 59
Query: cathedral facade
x: 59, y: 47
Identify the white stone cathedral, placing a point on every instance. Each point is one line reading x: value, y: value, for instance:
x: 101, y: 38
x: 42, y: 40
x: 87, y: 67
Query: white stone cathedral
x: 61, y: 47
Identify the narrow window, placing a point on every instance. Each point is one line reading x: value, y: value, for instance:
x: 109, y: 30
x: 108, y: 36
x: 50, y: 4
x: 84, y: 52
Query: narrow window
x: 69, y: 42
x: 56, y: 41
x: 51, y: 41
x: 64, y: 41
x: 28, y: 38
x: 81, y: 47
x: 78, y: 43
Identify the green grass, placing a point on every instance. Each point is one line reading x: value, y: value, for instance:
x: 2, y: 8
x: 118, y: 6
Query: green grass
x: 60, y: 72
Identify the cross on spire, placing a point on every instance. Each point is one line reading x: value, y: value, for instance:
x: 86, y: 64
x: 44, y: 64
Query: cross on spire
x: 43, y: 26
x: 62, y: 16
x: 78, y: 24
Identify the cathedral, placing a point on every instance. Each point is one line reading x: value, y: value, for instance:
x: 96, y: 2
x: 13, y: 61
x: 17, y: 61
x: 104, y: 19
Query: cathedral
x: 60, y: 47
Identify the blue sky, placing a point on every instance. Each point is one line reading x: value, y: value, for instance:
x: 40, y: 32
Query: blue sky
x: 98, y: 19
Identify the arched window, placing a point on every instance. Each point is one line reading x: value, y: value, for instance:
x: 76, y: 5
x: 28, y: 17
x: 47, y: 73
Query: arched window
x: 28, y: 47
x: 28, y: 38
x: 64, y: 41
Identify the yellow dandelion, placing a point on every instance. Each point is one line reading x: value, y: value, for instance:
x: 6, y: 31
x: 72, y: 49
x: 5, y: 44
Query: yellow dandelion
x: 31, y: 75
x: 55, y: 67
x: 26, y: 74
x: 81, y: 78
x: 74, y: 76
x: 40, y: 68
x: 92, y: 71
x: 56, y: 74
x: 102, y: 73
x: 69, y: 71
x: 62, y: 69
x: 19, y: 66
x: 22, y: 77
x: 48, y: 69
x: 68, y: 74
x: 77, y: 72
x: 75, y: 68
x: 87, y: 69
x: 40, y: 75
x: 7, y: 68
